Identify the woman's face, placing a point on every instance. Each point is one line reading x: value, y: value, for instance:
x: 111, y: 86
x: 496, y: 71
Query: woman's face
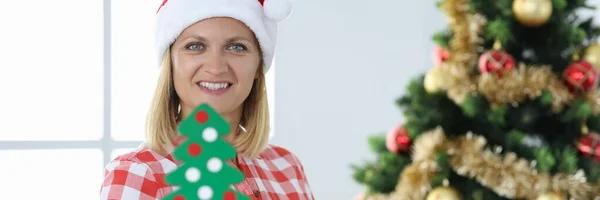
x: 215, y: 61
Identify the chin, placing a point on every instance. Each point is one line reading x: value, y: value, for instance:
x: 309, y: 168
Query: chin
x: 224, y: 101
x: 220, y: 105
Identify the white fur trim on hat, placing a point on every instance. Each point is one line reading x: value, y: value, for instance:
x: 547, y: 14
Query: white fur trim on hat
x: 176, y: 15
x: 278, y: 10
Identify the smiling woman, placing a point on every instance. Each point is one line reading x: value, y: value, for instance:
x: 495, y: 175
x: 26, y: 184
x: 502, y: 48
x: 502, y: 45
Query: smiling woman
x: 220, y: 51
x: 214, y: 52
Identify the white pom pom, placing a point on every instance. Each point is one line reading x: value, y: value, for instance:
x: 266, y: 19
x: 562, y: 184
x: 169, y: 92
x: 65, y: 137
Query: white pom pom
x: 277, y: 10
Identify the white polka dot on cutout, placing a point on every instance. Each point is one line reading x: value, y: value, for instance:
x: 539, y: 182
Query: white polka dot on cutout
x: 214, y: 165
x: 192, y: 174
x: 209, y: 134
x: 205, y: 192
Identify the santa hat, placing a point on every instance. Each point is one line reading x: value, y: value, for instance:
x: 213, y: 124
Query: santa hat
x: 261, y: 16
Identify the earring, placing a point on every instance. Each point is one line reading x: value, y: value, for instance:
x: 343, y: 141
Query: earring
x: 241, y: 127
x: 178, y: 114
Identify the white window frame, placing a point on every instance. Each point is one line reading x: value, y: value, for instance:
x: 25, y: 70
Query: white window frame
x: 106, y: 143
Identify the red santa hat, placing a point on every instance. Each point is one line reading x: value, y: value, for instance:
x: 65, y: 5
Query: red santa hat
x: 261, y: 16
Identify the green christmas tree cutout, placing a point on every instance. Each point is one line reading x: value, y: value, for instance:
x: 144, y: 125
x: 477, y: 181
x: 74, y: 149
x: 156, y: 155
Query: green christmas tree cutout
x: 204, y: 174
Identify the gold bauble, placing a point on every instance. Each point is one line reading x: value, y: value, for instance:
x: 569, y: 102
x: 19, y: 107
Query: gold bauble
x: 444, y: 193
x: 592, y: 54
x: 551, y: 196
x: 433, y: 80
x: 532, y: 13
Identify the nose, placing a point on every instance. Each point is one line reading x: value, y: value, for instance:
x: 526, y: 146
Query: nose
x: 215, y: 63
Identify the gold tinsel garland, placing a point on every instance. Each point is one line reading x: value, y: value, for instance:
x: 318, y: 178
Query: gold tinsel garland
x: 522, y: 83
x: 465, y: 40
x: 508, y: 176
x: 525, y: 82
x: 593, y: 98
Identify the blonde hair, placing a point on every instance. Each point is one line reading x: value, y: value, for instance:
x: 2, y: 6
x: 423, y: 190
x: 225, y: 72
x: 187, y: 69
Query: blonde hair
x: 161, y: 122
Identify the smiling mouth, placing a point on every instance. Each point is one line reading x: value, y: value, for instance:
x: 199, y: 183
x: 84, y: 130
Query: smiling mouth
x: 214, y: 85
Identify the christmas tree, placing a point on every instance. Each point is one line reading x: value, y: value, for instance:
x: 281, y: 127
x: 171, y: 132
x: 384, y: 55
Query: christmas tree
x: 203, y: 174
x: 510, y: 110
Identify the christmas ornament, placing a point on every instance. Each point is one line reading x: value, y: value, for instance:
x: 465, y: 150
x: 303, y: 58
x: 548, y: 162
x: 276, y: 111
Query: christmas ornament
x: 203, y: 174
x: 589, y: 145
x: 496, y: 61
x: 397, y: 139
x: 532, y: 13
x: 444, y: 193
x: 581, y: 76
x: 592, y: 54
x: 433, y: 81
x: 440, y: 55
x: 551, y: 196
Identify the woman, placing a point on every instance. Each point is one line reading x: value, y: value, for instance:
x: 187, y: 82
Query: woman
x: 215, y: 52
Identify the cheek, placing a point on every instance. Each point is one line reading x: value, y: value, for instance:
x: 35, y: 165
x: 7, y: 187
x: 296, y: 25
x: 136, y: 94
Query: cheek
x: 183, y: 71
x: 245, y: 71
x: 185, y: 67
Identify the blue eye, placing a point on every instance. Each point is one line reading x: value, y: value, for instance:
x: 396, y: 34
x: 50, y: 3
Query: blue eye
x: 194, y: 47
x: 237, y: 47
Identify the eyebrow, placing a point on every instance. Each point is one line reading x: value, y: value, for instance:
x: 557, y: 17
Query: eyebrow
x: 197, y: 37
x: 233, y: 39
x: 237, y: 38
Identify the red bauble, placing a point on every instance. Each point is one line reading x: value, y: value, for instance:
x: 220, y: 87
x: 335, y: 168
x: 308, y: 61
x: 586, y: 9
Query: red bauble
x: 496, y: 62
x: 581, y: 76
x: 397, y: 139
x: 589, y: 145
x: 440, y: 55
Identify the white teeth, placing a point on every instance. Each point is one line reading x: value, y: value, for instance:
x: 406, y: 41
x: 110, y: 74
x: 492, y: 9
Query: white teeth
x: 213, y: 86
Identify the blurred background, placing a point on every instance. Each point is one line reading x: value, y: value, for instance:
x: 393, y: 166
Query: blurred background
x: 77, y: 78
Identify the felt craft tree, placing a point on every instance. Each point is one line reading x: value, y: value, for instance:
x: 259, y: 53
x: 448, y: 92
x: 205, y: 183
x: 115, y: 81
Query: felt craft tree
x: 203, y: 174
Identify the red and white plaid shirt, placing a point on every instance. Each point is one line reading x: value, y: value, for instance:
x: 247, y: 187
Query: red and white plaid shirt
x: 140, y: 175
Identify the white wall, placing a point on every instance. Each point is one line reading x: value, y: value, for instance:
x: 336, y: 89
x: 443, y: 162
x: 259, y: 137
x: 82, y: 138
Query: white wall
x: 340, y: 67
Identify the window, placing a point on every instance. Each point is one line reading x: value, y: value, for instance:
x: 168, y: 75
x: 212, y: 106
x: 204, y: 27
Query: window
x: 52, y: 74
x: 134, y: 69
x: 79, y: 79
x: 53, y: 111
x: 51, y: 174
